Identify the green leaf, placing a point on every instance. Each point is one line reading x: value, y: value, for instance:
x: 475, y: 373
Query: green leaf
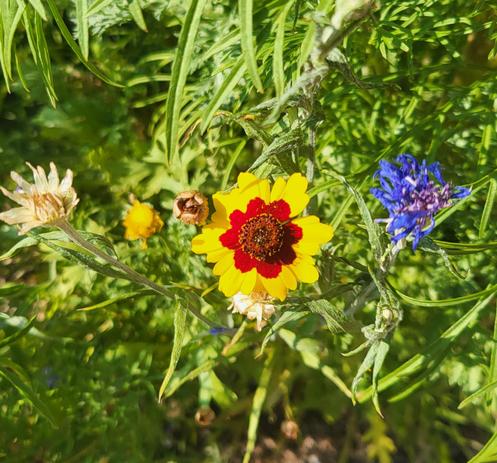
x: 82, y: 22
x: 438, y: 348
x: 288, y: 316
x: 98, y: 5
x: 24, y: 243
x: 279, y: 42
x: 12, y: 373
x: 333, y: 317
x: 180, y: 318
x: 10, y: 15
x: 245, y: 9
x: 181, y: 68
x: 257, y: 404
x: 488, y: 454
x: 483, y: 390
x: 18, y: 334
x: 381, y: 354
x: 40, y: 9
x: 113, y: 300
x: 231, y: 163
x: 137, y: 14
x: 226, y: 88
x: 74, y: 46
x: 487, y: 210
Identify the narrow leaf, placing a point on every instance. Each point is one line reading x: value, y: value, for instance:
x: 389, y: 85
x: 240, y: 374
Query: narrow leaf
x: 137, y: 14
x: 487, y: 210
x: 257, y: 404
x: 181, y: 67
x: 180, y: 318
x: 245, y: 9
x: 82, y: 22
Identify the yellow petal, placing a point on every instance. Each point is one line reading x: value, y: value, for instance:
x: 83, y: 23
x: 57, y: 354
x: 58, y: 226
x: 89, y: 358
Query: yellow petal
x: 288, y: 277
x: 275, y: 287
x: 251, y: 187
x: 218, y: 254
x: 225, y: 204
x: 278, y: 189
x: 230, y: 282
x: 224, y: 264
x: 305, y: 270
x: 314, y: 234
x: 249, y: 280
x: 295, y: 194
x: 207, y: 241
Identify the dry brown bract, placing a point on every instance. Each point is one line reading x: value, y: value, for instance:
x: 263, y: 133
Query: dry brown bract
x: 191, y: 207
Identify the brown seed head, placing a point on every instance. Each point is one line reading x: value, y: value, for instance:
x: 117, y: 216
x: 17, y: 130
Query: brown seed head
x: 191, y: 207
x: 205, y: 416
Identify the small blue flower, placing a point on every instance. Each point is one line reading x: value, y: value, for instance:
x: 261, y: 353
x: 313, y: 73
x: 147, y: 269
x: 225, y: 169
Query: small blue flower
x: 413, y: 193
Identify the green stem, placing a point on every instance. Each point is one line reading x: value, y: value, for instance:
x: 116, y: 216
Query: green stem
x: 74, y: 236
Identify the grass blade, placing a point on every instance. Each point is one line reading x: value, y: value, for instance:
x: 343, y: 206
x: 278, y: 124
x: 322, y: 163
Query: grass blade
x: 245, y: 9
x: 181, y: 67
x: 40, y: 9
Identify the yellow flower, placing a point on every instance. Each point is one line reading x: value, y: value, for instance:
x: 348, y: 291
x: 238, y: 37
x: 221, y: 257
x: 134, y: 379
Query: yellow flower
x: 256, y: 240
x: 45, y: 202
x: 141, y: 222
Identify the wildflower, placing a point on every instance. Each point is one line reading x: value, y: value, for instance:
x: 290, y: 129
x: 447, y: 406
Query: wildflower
x: 256, y: 306
x: 141, y: 222
x: 46, y: 202
x: 191, y: 207
x: 256, y: 241
x: 413, y: 193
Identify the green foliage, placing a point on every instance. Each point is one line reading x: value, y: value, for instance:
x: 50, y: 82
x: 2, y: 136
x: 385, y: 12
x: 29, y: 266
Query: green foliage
x: 155, y: 97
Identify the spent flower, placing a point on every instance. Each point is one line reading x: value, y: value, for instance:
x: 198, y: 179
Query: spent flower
x: 256, y: 306
x: 191, y: 207
x: 256, y: 240
x: 47, y: 201
x: 413, y: 193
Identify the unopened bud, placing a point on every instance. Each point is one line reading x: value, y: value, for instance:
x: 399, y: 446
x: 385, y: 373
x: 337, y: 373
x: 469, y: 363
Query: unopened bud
x: 191, y: 207
x: 205, y: 416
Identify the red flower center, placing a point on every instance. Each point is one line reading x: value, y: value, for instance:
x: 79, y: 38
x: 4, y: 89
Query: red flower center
x: 262, y: 237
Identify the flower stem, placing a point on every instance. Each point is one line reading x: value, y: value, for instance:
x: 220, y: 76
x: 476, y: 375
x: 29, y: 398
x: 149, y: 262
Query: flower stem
x: 136, y: 277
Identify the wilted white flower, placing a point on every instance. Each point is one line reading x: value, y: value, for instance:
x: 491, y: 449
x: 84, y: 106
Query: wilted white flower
x: 256, y: 306
x: 43, y: 202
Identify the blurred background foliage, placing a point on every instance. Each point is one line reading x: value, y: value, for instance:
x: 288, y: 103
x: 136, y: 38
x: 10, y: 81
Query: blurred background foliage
x: 153, y: 97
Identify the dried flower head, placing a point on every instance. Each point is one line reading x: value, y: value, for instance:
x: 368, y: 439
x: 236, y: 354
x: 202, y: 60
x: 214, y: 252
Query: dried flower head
x: 191, y: 207
x: 141, y: 222
x: 44, y: 202
x: 205, y: 416
x: 413, y: 193
x: 256, y: 306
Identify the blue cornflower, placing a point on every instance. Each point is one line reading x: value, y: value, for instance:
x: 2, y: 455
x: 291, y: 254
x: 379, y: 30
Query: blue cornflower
x: 413, y: 193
